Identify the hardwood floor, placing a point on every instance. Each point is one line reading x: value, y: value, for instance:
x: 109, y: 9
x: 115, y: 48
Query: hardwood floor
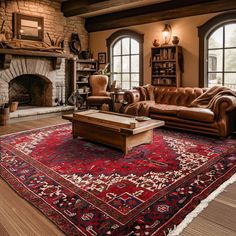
x: 18, y: 217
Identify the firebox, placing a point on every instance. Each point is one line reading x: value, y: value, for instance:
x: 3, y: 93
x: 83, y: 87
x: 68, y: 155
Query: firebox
x: 31, y: 90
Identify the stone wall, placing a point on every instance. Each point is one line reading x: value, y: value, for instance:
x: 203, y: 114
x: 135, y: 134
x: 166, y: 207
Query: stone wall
x: 54, y: 22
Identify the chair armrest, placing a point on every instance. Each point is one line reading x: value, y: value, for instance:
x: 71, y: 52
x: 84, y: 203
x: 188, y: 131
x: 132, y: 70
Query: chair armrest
x: 224, y: 104
x: 132, y: 96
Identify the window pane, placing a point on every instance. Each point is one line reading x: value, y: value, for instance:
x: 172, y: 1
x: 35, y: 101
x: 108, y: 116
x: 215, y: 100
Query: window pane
x: 215, y: 61
x: 126, y: 77
x: 216, y: 39
x: 125, y: 46
x: 117, y: 48
x: 230, y: 59
x: 214, y: 79
x: 134, y: 47
x: 230, y: 35
x: 134, y: 84
x: 134, y: 80
x: 125, y: 85
x: 230, y: 80
x: 117, y: 64
x: 117, y: 78
x: 135, y: 63
x: 125, y: 64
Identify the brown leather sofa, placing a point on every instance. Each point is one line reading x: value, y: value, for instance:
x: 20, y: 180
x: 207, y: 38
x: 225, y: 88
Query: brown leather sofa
x: 175, y: 107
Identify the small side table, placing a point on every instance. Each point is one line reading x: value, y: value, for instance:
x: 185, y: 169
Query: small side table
x: 117, y: 100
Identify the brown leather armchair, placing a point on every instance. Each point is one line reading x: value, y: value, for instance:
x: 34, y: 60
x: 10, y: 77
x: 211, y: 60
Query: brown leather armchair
x: 99, y: 96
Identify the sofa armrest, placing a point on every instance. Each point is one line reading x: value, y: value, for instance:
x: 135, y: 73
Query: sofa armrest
x: 224, y: 104
x: 132, y: 96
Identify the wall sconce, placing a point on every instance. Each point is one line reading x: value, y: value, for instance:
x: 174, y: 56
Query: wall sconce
x: 166, y: 33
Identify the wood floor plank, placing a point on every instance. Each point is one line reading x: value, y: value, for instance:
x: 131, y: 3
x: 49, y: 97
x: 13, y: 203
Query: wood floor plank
x: 18, y: 217
x: 203, y: 227
x: 214, y: 212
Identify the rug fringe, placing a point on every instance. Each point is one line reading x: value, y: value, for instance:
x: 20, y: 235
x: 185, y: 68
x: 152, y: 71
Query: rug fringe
x: 204, y: 203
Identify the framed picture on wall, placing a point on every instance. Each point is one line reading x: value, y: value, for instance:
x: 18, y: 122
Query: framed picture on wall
x: 102, y: 58
x: 28, y: 27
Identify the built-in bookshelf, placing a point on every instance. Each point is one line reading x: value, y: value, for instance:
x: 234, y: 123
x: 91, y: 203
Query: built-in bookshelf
x: 167, y: 66
x: 81, y: 71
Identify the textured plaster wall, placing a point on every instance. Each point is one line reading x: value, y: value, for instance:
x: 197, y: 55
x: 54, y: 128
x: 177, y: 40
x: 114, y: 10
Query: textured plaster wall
x: 186, y: 28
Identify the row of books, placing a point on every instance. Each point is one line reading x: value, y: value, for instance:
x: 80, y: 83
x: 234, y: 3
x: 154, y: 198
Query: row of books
x: 165, y: 54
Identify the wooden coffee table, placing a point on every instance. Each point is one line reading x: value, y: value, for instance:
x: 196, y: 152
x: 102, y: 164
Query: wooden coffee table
x: 113, y: 129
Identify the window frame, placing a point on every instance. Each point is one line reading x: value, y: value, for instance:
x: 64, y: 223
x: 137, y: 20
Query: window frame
x: 126, y: 33
x: 204, y: 33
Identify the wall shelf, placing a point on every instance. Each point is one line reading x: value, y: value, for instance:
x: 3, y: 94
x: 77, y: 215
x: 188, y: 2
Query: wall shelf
x: 167, y: 66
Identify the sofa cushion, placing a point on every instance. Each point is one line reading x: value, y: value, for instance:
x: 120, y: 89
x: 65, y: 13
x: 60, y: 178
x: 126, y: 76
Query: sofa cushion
x: 165, y: 109
x: 196, y: 113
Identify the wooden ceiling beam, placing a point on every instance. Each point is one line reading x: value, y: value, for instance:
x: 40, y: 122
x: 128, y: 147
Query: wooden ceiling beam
x: 157, y: 12
x: 72, y: 7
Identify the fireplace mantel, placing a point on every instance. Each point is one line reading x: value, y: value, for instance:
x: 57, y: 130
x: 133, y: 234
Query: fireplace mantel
x: 6, y: 56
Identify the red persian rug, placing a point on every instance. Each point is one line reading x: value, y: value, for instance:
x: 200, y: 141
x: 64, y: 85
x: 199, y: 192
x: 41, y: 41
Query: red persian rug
x: 89, y: 189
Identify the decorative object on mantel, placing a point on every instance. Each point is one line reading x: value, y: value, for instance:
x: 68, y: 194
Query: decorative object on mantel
x: 30, y: 45
x: 28, y: 27
x: 166, y: 33
x: 175, y: 40
x: 58, y: 42
x: 2, y: 33
x: 75, y: 44
x: 155, y: 43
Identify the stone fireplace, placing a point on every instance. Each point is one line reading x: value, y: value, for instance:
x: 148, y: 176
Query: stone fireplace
x: 33, y: 81
x: 31, y: 90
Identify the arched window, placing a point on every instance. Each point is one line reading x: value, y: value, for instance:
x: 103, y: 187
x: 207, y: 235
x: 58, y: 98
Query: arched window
x: 125, y: 49
x: 217, y: 55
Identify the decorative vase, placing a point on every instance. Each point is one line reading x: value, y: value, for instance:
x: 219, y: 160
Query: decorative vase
x: 175, y: 40
x: 155, y: 43
x: 85, y: 55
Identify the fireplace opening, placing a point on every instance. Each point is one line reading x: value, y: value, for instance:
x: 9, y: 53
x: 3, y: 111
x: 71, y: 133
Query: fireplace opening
x: 31, y: 90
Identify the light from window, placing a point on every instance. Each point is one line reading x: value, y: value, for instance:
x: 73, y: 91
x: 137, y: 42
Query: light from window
x: 221, y: 67
x: 125, y: 55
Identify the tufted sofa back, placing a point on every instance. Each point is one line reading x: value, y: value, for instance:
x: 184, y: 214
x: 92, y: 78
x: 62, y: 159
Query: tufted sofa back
x: 176, y: 96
